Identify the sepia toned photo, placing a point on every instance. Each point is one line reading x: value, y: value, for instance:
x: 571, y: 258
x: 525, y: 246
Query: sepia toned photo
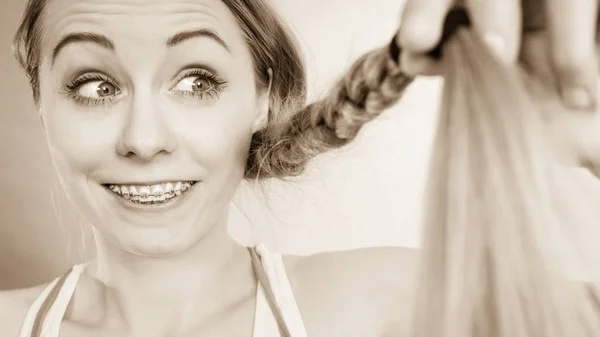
x: 280, y: 168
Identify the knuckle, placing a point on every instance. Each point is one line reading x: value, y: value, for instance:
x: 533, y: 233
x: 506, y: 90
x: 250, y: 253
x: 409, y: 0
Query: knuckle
x: 568, y: 64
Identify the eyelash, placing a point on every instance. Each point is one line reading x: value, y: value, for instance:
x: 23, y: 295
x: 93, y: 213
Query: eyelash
x: 218, y: 84
x: 73, y: 87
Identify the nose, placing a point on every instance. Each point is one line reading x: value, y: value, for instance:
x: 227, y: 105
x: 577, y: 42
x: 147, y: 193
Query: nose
x: 146, y: 133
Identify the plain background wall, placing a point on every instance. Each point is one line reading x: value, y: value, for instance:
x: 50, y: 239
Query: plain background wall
x: 367, y: 194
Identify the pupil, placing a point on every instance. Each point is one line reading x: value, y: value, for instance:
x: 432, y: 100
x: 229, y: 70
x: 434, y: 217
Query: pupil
x: 105, y: 89
x: 200, y: 84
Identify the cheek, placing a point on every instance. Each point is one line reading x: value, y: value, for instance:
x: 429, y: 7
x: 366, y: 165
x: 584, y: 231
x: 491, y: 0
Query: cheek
x: 222, y: 148
x: 220, y: 138
x: 78, y: 141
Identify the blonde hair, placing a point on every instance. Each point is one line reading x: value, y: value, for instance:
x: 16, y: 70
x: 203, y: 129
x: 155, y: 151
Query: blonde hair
x: 492, y: 204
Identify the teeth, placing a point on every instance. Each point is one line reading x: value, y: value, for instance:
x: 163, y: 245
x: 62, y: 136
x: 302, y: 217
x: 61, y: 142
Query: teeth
x: 154, y: 194
x: 157, y: 190
x: 124, y: 191
x: 178, y: 188
x: 144, y: 191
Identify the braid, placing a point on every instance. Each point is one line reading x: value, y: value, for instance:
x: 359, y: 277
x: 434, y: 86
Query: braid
x: 372, y: 84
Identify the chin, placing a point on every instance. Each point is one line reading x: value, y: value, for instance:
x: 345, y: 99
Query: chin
x: 156, y: 229
x: 154, y: 240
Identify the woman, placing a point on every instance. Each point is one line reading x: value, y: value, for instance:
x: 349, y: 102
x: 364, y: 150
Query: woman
x: 150, y: 112
x: 153, y: 115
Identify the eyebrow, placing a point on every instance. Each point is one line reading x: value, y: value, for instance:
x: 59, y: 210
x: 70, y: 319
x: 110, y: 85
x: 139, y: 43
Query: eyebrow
x: 190, y: 34
x: 97, y: 39
x: 106, y: 43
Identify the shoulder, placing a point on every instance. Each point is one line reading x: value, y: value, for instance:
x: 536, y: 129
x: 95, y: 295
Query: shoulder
x: 372, y: 287
x: 14, y: 305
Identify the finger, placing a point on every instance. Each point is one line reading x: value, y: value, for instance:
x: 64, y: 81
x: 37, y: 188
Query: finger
x: 572, y: 30
x: 499, y: 24
x: 534, y: 57
x: 421, y: 24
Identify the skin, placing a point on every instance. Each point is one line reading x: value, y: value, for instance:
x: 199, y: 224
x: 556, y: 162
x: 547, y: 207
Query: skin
x: 571, y: 28
x: 176, y: 272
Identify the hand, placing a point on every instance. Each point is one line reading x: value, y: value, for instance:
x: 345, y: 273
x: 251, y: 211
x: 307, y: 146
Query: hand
x: 571, y: 28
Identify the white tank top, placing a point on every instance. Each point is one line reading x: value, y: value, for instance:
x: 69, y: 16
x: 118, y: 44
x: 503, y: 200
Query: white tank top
x: 276, y: 315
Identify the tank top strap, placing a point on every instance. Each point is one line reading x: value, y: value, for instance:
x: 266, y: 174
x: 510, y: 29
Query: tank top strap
x: 277, y: 313
x: 57, y: 312
x: 47, y: 311
x: 27, y: 329
x: 275, y: 288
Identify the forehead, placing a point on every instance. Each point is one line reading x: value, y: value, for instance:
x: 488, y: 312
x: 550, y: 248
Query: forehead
x: 138, y: 20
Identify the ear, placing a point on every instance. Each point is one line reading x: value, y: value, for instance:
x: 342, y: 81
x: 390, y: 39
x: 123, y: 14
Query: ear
x: 263, y: 106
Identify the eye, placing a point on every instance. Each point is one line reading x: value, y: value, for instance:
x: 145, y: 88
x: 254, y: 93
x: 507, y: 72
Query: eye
x: 193, y: 84
x: 198, y: 83
x: 97, y: 89
x: 92, y: 89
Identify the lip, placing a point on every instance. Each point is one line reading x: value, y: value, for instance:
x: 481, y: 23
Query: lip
x: 151, y: 208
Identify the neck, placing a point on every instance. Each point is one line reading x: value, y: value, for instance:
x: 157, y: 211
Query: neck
x: 175, y: 293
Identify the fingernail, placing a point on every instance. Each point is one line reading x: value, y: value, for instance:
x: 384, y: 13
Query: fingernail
x: 496, y: 43
x: 578, y: 98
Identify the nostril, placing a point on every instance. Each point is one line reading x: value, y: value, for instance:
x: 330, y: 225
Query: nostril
x: 146, y: 143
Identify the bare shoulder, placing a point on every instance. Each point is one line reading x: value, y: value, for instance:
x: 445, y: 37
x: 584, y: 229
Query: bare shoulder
x: 371, y: 287
x: 14, y: 305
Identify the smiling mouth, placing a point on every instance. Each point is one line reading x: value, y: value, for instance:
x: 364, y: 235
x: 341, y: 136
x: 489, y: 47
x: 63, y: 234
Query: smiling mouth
x: 151, y: 194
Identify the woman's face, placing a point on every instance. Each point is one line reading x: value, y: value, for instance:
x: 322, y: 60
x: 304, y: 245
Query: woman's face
x: 148, y: 107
